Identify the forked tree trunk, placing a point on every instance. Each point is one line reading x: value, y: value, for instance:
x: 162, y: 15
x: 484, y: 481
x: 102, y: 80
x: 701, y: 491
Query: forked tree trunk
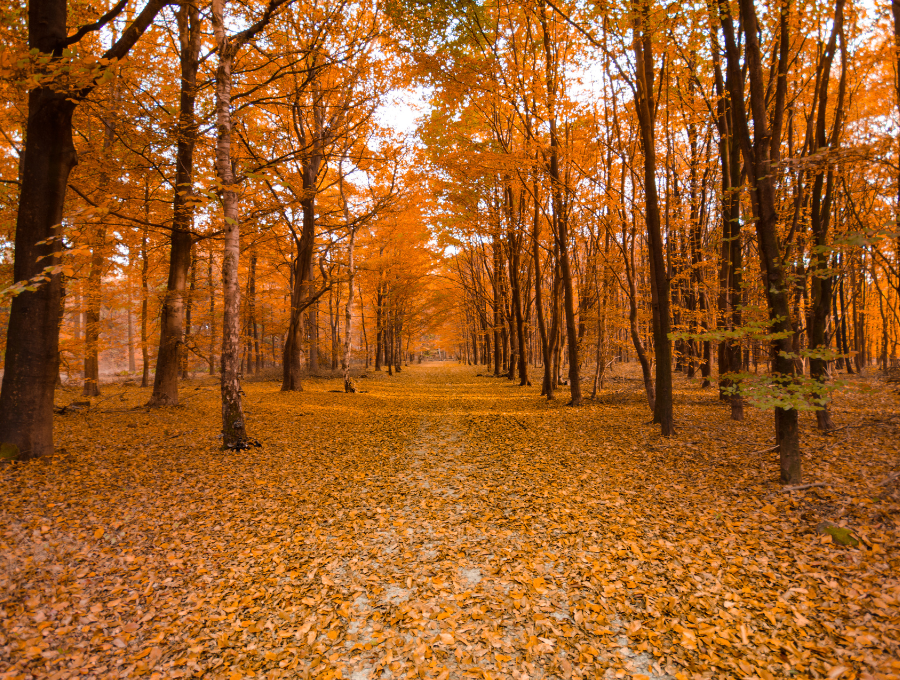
x: 761, y: 174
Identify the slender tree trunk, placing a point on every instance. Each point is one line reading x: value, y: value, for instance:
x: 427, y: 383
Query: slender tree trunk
x: 645, y: 107
x: 98, y: 265
x: 234, y: 430
x: 822, y: 282
x: 188, y: 309
x: 251, y: 314
x: 362, y: 325
x: 314, y: 338
x: 351, y: 274
x: 132, y: 364
x: 212, y: 312
x: 92, y: 313
x: 757, y: 157
x: 379, y: 326
x: 145, y: 297
x: 546, y: 389
x: 171, y: 327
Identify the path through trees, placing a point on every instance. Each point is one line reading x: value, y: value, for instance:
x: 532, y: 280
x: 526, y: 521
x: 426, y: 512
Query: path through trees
x: 445, y: 524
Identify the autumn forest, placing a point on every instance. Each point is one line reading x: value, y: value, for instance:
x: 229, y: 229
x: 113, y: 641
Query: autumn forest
x: 454, y: 339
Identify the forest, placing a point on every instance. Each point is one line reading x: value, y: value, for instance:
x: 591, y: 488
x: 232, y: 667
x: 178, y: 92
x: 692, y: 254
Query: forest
x: 465, y: 338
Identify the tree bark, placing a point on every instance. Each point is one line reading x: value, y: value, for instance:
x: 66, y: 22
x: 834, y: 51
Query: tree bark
x: 351, y: 274
x: 645, y: 107
x: 822, y: 282
x: 757, y: 157
x: 234, y: 430
x: 171, y: 330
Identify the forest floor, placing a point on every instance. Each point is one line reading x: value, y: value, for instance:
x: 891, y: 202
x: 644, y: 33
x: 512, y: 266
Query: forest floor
x: 442, y: 525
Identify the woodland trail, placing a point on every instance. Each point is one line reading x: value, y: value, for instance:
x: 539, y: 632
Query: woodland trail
x: 442, y: 525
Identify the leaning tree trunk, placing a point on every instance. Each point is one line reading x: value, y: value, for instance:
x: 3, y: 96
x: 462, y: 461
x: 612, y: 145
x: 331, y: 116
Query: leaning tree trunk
x: 171, y: 335
x: 895, y: 10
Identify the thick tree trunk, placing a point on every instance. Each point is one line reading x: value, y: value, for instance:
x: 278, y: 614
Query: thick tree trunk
x: 31, y: 363
x: 32, y: 340
x: 171, y: 331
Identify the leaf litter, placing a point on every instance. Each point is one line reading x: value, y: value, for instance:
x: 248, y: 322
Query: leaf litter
x: 450, y: 526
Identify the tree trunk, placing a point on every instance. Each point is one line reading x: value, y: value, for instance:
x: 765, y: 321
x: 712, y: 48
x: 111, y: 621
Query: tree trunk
x: 145, y: 297
x: 188, y: 309
x: 234, y: 430
x: 757, y: 158
x: 92, y: 313
x: 171, y: 330
x: 252, y: 338
x: 32, y: 340
x: 98, y: 265
x: 546, y: 389
x: 351, y: 274
x: 212, y: 312
x: 132, y: 364
x: 822, y: 282
x: 645, y: 107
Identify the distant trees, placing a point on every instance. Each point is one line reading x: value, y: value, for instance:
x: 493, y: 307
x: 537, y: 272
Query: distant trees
x: 658, y: 225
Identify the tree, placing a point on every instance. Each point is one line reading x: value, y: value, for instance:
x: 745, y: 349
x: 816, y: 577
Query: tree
x: 171, y: 337
x: 32, y: 344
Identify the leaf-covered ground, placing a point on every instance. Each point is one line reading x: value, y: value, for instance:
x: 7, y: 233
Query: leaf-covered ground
x: 443, y: 525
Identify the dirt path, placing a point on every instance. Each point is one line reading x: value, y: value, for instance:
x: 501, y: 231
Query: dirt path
x: 437, y: 525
